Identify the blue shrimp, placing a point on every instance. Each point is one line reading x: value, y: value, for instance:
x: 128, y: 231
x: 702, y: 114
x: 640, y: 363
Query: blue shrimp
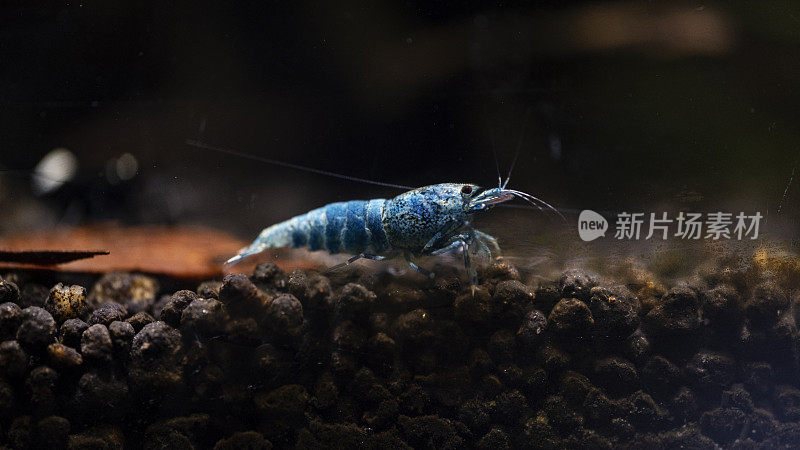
x: 430, y: 220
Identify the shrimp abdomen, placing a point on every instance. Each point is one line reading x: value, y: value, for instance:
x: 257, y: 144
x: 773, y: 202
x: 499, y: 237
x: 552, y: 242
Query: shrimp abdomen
x: 353, y: 227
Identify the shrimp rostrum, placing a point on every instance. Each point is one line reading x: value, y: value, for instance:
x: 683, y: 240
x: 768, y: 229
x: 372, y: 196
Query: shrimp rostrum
x: 430, y: 220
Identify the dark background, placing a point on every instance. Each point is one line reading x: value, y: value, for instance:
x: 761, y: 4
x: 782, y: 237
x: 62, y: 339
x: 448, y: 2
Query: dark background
x: 638, y: 106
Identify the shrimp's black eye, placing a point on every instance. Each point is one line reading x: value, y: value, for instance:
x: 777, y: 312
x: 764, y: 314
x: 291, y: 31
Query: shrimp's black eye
x: 466, y: 190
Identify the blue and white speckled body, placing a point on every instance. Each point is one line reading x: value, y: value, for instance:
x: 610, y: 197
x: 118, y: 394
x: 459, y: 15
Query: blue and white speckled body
x: 428, y: 220
x: 343, y: 227
x: 411, y: 219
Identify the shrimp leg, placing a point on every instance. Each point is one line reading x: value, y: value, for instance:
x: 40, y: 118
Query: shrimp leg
x: 438, y: 236
x: 462, y: 242
x: 419, y: 269
x: 482, y: 242
x: 473, y: 275
x: 354, y: 259
x: 486, y: 238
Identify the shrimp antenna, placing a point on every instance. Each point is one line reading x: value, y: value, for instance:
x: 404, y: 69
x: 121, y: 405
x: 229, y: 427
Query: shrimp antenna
x: 519, y: 146
x: 205, y: 146
x: 536, y: 202
x: 496, y: 163
x: 539, y: 208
